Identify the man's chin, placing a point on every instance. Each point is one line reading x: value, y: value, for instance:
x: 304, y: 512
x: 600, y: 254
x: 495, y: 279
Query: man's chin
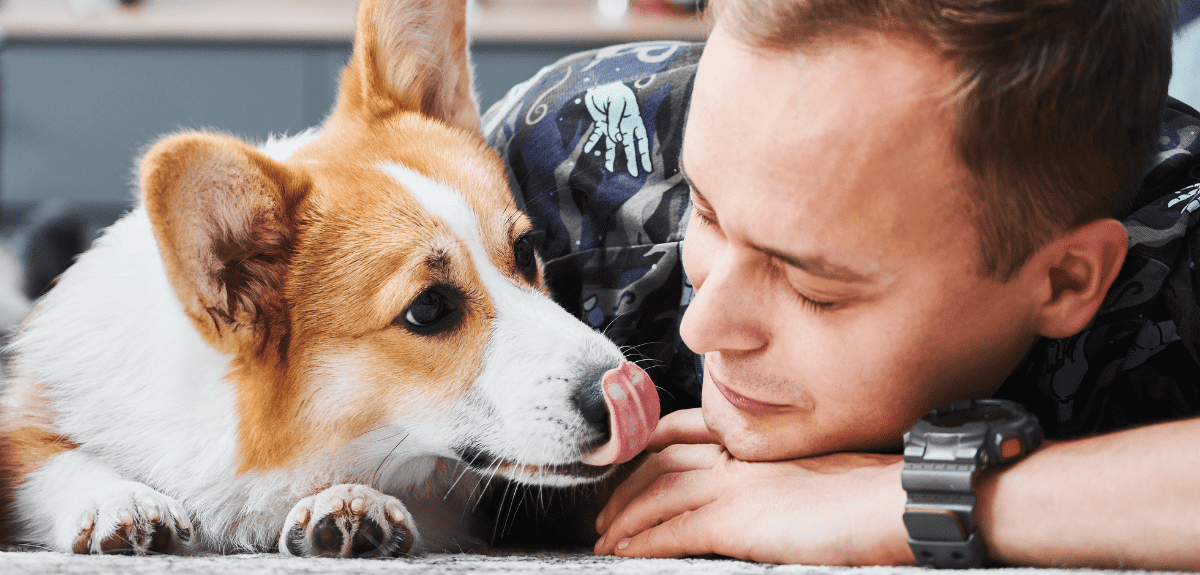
x: 751, y: 440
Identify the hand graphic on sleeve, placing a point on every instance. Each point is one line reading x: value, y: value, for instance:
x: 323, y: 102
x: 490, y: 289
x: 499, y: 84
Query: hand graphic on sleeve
x: 614, y: 108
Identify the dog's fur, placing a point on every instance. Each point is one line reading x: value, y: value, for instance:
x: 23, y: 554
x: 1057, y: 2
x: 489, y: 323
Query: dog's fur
x: 255, y: 358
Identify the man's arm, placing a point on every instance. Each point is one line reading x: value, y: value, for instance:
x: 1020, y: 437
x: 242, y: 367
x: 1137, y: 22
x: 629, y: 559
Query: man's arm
x: 1126, y: 499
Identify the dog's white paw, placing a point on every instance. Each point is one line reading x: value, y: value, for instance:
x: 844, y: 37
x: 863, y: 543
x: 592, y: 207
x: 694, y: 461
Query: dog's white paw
x: 349, y: 521
x: 129, y: 519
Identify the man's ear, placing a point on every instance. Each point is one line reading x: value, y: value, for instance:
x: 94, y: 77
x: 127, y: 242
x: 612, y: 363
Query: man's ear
x: 1075, y: 272
x: 410, y: 55
x: 222, y: 214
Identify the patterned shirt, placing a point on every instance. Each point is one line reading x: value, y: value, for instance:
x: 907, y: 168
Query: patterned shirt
x: 592, y: 145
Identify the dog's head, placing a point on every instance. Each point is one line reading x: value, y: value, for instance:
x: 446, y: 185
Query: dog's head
x: 377, y: 287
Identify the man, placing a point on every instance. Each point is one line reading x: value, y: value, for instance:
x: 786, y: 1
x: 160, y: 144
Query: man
x: 894, y: 206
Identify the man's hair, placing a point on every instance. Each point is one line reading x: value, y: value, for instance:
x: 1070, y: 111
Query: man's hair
x: 1056, y: 104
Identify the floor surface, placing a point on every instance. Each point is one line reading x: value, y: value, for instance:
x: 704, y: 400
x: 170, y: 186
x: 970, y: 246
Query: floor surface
x: 507, y: 563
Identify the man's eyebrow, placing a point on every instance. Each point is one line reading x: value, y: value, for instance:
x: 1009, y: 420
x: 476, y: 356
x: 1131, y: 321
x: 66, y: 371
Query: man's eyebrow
x: 813, y: 265
x: 695, y: 191
x: 819, y: 267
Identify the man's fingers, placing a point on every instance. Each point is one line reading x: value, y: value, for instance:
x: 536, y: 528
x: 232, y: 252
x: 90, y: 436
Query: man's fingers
x: 670, y: 495
x: 677, y: 458
x: 683, y: 426
x: 686, y: 534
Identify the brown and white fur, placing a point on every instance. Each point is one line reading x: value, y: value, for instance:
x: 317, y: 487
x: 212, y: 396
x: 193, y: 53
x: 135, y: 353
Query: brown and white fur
x: 254, y: 358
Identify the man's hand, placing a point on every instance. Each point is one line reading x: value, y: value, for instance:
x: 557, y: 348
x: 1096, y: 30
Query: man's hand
x: 695, y: 499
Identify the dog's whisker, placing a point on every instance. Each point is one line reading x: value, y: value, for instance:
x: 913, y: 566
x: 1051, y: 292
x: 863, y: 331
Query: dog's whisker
x: 454, y: 483
x: 500, y: 510
x: 378, y: 479
x: 664, y: 391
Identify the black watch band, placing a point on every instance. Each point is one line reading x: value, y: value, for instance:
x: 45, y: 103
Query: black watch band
x: 943, y: 454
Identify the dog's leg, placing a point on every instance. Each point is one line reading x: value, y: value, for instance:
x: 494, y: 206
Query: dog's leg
x: 349, y: 521
x: 76, y: 503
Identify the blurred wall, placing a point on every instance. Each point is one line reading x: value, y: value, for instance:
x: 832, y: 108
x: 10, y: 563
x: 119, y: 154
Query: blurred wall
x: 1185, y: 81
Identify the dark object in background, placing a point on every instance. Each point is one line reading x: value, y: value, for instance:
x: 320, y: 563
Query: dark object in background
x: 49, y: 235
x: 689, y: 5
x: 50, y: 250
x: 537, y: 517
x: 131, y: 3
x: 669, y: 7
x: 1189, y: 10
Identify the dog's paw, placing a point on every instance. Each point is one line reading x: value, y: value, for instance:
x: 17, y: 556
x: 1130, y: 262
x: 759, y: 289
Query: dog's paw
x: 131, y: 519
x: 349, y: 521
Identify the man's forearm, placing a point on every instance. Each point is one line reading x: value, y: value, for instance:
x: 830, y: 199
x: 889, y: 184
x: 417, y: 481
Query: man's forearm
x: 1127, y: 499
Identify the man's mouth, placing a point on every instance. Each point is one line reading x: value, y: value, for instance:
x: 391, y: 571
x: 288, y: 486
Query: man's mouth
x: 746, y: 404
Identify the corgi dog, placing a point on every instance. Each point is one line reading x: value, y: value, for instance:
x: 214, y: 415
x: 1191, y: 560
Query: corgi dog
x: 323, y: 346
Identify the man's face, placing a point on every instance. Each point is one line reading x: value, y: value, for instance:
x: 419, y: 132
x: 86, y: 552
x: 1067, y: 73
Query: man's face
x: 830, y: 246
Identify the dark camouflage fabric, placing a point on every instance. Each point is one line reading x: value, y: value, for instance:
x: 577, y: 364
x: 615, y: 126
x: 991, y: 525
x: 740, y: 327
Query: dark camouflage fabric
x: 1138, y: 361
x: 592, y: 146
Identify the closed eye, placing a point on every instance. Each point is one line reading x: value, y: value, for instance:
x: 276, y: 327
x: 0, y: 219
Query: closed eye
x: 704, y: 219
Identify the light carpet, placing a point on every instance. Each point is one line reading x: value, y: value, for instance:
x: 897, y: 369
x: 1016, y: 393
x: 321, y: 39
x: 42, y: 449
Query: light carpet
x: 513, y: 562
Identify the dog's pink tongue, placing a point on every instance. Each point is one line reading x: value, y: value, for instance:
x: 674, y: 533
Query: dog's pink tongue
x: 632, y: 414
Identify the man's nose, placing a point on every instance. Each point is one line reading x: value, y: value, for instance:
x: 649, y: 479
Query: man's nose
x: 727, y: 310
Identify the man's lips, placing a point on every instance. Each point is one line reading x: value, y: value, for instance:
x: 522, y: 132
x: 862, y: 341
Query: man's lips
x: 743, y: 403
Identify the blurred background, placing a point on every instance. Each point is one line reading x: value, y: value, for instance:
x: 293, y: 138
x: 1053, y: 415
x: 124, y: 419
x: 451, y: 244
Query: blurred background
x: 85, y: 84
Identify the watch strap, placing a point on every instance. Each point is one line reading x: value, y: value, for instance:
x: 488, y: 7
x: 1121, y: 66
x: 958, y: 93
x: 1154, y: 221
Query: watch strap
x: 967, y: 554
x: 940, y: 466
x: 941, y: 524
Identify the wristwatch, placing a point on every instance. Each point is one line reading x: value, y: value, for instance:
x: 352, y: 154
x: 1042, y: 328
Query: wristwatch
x: 943, y: 454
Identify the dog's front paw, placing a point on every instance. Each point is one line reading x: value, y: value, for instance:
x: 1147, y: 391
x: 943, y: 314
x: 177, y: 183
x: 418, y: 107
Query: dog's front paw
x: 349, y: 521
x: 131, y: 519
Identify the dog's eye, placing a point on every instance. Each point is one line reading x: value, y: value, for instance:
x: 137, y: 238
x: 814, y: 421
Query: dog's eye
x: 429, y: 312
x: 523, y: 252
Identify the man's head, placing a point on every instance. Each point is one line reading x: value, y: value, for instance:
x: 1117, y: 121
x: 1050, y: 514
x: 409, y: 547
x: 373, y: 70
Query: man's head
x: 930, y: 175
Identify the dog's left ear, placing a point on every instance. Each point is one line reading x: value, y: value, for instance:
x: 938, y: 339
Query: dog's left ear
x: 223, y: 217
x: 411, y: 55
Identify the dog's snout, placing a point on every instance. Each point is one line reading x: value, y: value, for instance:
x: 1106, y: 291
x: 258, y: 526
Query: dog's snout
x: 589, y: 402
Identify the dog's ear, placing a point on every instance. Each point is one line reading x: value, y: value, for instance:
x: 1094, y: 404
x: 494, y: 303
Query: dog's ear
x: 222, y: 214
x: 411, y: 55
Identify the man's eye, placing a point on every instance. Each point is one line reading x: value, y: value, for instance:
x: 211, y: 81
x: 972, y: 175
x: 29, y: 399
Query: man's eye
x: 816, y: 306
x: 704, y: 220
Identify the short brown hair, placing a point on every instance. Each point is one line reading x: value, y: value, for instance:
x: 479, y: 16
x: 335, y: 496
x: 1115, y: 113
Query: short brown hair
x: 1056, y: 103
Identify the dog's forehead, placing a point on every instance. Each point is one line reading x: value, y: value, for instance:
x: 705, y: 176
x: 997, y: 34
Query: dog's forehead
x: 444, y: 202
x: 356, y: 177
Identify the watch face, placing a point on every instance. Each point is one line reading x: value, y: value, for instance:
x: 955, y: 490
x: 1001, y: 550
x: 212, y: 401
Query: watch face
x: 983, y: 412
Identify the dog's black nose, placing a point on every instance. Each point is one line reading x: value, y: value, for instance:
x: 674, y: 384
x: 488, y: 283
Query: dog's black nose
x: 589, y: 401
